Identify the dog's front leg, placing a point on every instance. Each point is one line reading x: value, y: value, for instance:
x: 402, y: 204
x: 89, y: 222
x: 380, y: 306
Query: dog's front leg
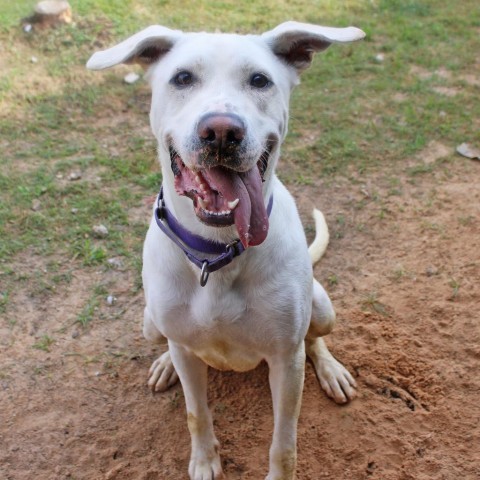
x: 286, y: 377
x: 205, y: 460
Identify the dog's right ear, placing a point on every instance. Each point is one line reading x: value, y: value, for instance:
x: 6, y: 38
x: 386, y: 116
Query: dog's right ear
x: 145, y: 48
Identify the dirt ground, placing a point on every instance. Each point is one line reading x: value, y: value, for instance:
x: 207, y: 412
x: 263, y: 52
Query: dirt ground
x: 402, y: 268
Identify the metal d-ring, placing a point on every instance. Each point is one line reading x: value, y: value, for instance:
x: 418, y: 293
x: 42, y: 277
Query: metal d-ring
x: 233, y: 246
x: 204, y: 274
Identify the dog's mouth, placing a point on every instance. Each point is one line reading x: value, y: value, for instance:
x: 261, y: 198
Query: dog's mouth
x: 223, y: 197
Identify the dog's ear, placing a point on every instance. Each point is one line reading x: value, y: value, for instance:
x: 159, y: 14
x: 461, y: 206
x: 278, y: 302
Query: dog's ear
x: 145, y: 48
x: 296, y: 42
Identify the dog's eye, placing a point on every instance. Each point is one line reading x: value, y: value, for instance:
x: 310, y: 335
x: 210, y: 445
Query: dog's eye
x: 259, y: 80
x: 182, y: 79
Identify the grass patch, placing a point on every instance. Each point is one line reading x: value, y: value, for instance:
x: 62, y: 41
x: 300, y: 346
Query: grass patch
x: 44, y: 343
x: 371, y: 303
x: 86, y: 316
x: 88, y: 252
x: 4, y: 297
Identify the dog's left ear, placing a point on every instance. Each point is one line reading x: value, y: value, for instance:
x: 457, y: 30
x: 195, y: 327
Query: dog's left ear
x: 296, y: 42
x: 145, y: 48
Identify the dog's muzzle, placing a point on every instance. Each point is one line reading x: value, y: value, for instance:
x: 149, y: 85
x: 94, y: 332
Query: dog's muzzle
x: 223, y: 191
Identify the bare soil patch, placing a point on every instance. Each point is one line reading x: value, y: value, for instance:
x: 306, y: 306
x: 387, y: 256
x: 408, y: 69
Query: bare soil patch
x: 403, y: 270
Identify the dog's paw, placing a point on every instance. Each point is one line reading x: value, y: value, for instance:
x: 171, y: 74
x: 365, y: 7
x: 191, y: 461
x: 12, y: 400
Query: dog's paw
x: 205, y: 465
x: 335, y: 380
x: 162, y: 374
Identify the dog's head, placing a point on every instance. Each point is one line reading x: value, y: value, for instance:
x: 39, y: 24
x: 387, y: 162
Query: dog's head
x: 219, y: 111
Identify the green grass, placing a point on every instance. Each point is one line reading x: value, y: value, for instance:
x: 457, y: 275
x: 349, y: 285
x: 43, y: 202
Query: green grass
x: 371, y: 303
x: 88, y: 312
x: 357, y: 113
x: 4, y: 301
x: 44, y: 343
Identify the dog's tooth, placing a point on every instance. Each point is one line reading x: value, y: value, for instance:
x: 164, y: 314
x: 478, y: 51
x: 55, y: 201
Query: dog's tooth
x: 198, y: 179
x: 233, y: 204
x: 202, y: 203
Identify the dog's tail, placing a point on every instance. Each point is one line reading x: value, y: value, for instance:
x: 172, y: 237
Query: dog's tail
x: 320, y: 242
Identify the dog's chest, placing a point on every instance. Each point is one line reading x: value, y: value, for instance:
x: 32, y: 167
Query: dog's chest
x: 230, y: 328
x: 221, y: 331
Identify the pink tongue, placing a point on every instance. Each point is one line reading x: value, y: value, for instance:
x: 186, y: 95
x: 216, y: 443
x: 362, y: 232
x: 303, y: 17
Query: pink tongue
x: 250, y: 215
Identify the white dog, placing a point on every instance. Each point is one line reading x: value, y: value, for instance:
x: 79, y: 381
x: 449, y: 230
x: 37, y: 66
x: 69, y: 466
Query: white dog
x: 227, y: 273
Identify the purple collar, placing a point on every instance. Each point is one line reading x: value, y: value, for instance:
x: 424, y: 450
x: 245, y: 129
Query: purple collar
x: 189, y: 241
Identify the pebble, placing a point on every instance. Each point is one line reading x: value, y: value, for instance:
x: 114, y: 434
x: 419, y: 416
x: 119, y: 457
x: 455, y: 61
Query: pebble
x: 111, y: 299
x: 36, y: 205
x: 431, y: 270
x: 131, y: 78
x: 75, y: 176
x: 100, y: 231
x: 380, y: 57
x: 115, y: 262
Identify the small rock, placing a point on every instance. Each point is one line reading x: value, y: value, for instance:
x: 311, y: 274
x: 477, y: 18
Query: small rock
x: 27, y: 28
x: 74, y: 211
x: 36, y: 205
x: 111, y: 300
x: 431, y: 271
x: 380, y: 57
x: 115, y: 262
x: 75, y: 334
x: 75, y: 176
x: 131, y: 78
x: 34, y: 60
x: 468, y: 151
x: 100, y: 231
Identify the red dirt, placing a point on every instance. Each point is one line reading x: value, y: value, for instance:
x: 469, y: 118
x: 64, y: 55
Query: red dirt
x: 402, y: 269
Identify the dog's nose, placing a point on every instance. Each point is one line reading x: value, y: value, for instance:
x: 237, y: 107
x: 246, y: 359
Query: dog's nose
x: 221, y: 130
